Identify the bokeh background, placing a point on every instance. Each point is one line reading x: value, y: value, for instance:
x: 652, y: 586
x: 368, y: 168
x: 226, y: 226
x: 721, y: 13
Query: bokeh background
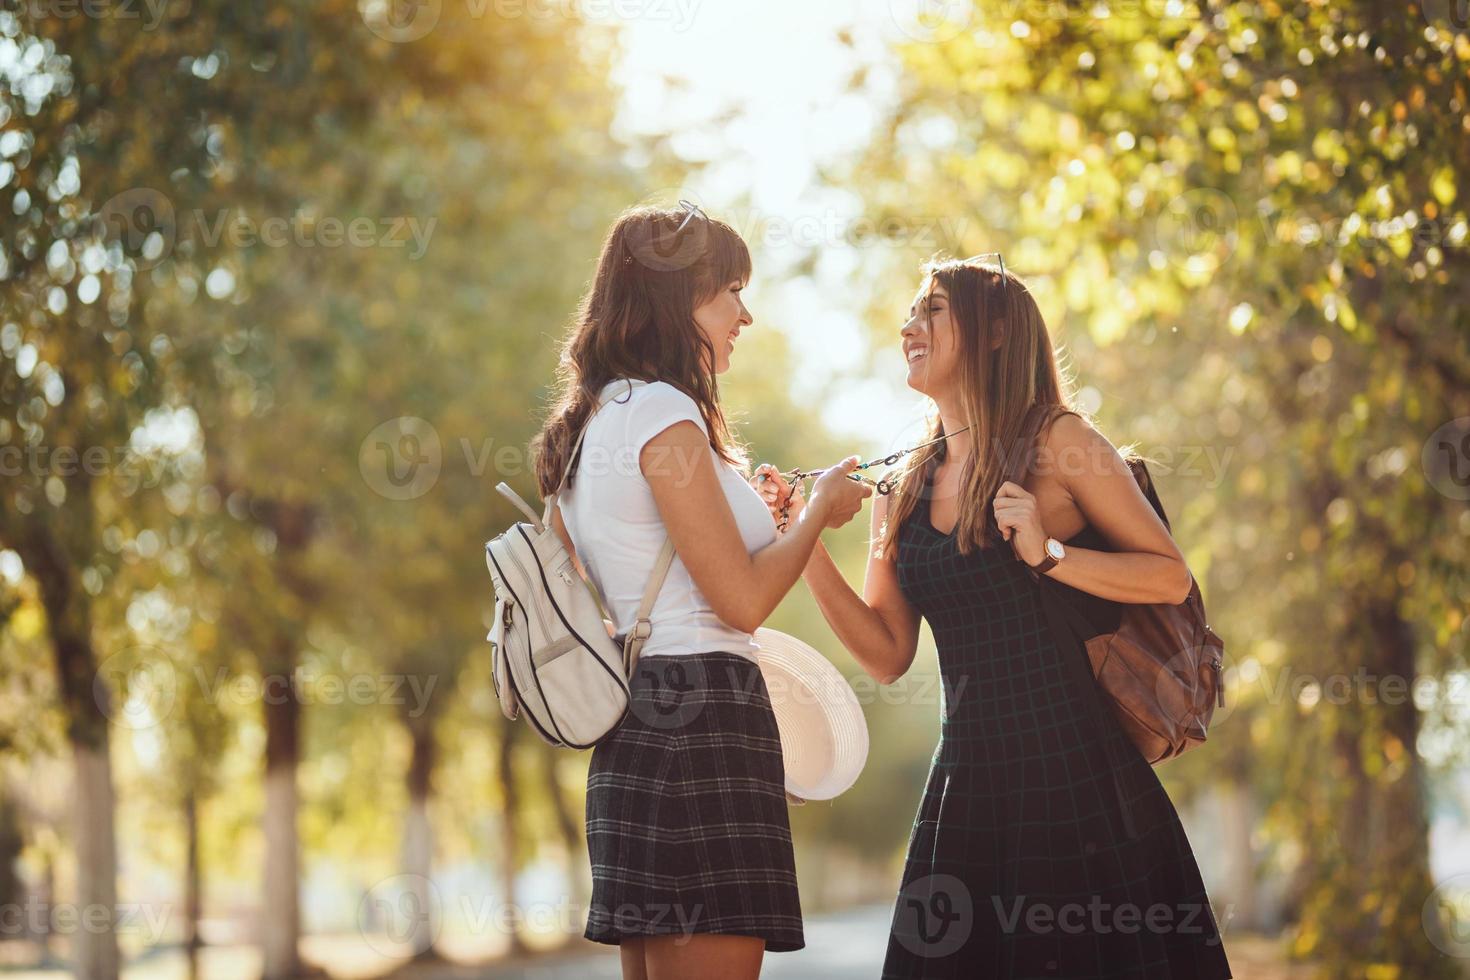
x: 281, y: 289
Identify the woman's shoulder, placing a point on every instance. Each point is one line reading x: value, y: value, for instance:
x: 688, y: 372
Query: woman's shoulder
x: 660, y: 393
x: 650, y: 402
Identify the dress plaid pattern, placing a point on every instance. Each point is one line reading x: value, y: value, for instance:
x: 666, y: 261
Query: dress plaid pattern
x: 687, y: 827
x: 1045, y: 845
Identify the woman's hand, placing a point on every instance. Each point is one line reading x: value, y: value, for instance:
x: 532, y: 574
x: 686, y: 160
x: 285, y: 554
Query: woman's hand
x: 775, y: 491
x: 836, y: 499
x: 1019, y: 520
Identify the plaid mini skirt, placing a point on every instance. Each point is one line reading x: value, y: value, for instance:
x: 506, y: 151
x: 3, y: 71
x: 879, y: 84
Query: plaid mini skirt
x: 687, y: 827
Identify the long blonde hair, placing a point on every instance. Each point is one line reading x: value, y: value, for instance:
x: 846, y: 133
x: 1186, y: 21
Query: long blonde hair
x: 999, y: 385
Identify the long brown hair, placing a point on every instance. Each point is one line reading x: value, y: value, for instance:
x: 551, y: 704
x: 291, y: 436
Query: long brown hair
x: 636, y: 320
x: 999, y: 385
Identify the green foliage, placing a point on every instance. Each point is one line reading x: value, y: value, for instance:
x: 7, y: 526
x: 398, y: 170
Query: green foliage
x: 1243, y: 221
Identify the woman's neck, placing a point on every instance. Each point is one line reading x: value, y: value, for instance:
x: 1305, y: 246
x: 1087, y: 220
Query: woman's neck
x: 960, y: 444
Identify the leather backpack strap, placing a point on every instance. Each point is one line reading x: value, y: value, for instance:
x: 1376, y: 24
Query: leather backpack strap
x: 1018, y: 460
x: 642, y: 626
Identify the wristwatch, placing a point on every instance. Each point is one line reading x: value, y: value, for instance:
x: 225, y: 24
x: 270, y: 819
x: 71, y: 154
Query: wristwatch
x: 1055, y: 552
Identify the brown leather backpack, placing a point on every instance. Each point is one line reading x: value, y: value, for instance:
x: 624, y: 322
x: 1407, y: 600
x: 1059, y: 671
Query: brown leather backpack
x: 1162, y: 666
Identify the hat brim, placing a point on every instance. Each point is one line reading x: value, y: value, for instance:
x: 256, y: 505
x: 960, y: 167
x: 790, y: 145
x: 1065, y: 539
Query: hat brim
x: 824, y: 736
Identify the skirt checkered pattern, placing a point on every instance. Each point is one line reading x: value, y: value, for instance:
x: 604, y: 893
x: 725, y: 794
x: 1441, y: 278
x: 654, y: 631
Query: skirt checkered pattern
x: 1045, y: 845
x: 687, y: 827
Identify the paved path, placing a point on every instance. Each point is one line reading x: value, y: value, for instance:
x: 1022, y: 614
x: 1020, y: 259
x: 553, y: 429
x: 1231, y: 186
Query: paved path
x: 839, y: 946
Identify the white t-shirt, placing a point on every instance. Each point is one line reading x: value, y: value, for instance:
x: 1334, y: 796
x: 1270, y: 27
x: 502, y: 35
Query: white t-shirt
x: 615, y: 525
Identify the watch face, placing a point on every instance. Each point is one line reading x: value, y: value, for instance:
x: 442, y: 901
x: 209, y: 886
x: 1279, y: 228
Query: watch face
x: 1055, y: 549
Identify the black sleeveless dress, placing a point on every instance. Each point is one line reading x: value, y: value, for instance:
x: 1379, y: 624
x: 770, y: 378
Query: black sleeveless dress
x: 1045, y: 845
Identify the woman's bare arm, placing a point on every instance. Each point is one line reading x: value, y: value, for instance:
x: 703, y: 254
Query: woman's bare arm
x: 1147, y: 565
x: 879, y: 628
x: 742, y: 588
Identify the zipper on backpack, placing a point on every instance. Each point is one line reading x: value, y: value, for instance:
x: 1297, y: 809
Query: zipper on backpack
x: 1219, y: 682
x: 540, y: 617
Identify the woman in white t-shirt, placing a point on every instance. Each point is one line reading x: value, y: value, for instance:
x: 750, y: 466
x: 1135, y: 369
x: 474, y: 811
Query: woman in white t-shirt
x: 687, y: 828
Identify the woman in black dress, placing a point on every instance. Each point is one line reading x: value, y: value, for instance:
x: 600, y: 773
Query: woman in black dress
x: 1044, y: 845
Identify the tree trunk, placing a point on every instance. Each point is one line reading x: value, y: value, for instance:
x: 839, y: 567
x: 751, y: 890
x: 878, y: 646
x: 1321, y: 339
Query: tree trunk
x: 509, y: 830
x: 280, y: 920
x: 568, y: 828
x: 1399, y: 822
x: 418, y: 842
x: 1371, y: 875
x: 192, y: 881
x: 94, y: 948
x: 1237, y: 816
x: 87, y: 702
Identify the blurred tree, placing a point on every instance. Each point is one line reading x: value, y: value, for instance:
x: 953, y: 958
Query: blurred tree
x: 141, y: 272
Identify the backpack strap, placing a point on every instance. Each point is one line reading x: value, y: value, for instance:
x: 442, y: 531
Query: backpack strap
x: 572, y: 458
x: 1018, y: 461
x: 643, y: 627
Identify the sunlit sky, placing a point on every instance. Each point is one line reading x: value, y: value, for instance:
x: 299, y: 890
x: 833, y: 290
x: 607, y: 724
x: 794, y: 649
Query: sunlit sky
x: 757, y: 89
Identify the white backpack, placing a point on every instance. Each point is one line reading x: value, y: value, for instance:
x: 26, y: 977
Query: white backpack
x: 555, y: 657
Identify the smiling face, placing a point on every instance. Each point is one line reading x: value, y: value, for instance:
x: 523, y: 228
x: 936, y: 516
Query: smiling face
x: 720, y: 318
x: 930, y: 341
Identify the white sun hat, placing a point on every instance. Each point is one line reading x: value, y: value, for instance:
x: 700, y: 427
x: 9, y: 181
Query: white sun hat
x: 824, y: 737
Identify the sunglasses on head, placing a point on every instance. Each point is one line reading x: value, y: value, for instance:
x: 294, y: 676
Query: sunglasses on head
x: 1000, y: 260
x: 694, y: 210
x: 663, y: 250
